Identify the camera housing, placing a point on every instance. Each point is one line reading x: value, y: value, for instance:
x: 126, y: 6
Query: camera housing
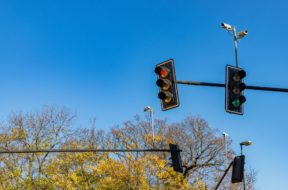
x: 242, y: 34
x: 226, y: 26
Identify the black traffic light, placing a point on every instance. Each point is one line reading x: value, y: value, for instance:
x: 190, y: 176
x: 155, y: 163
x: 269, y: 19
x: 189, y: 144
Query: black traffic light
x: 166, y: 82
x: 238, y: 169
x: 176, y: 158
x: 234, y: 97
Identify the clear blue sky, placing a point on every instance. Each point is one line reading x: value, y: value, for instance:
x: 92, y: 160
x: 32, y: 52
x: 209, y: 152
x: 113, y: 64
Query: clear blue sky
x: 98, y: 58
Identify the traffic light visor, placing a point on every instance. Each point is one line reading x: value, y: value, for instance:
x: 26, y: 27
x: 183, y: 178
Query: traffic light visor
x: 167, y: 97
x: 239, y: 75
x: 165, y: 84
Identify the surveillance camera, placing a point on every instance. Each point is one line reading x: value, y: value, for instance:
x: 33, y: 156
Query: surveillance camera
x: 226, y: 26
x: 242, y: 34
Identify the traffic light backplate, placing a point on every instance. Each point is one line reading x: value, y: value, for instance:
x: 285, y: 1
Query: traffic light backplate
x: 234, y: 90
x: 166, y: 82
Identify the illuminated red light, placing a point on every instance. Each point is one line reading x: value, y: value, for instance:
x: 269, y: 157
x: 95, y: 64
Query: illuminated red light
x: 163, y: 73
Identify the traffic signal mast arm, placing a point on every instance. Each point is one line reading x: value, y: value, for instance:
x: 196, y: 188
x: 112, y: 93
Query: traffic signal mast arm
x: 80, y: 151
x: 223, y: 85
x: 173, y: 149
x: 199, y: 83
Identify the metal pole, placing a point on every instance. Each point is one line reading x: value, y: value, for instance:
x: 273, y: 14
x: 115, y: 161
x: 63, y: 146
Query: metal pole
x: 81, y: 151
x: 224, y: 175
x: 244, y: 180
x: 200, y: 83
x: 225, y: 147
x: 152, y: 125
x: 235, y: 45
x: 225, y: 144
x: 223, y: 85
x: 267, y: 88
x: 244, y: 186
x: 151, y: 118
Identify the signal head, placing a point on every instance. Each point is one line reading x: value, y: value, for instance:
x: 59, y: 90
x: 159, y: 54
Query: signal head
x: 167, y: 85
x: 235, y: 86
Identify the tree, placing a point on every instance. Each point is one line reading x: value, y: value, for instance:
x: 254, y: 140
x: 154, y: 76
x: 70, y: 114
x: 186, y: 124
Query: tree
x: 203, y: 154
x: 46, y: 129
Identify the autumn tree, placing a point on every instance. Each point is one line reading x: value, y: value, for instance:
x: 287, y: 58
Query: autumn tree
x: 203, y: 156
x: 52, y: 128
x: 46, y: 129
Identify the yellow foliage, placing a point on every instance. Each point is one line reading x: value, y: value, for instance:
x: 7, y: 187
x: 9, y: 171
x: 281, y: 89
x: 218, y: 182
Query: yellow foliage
x: 199, y: 185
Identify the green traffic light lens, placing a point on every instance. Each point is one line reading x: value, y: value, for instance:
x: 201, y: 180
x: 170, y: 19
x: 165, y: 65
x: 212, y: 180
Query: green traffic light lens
x: 236, y: 102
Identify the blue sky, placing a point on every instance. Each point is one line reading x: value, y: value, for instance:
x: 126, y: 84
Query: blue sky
x: 98, y: 58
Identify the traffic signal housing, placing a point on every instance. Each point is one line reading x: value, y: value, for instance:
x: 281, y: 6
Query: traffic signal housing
x: 176, y: 158
x: 166, y: 82
x: 238, y: 169
x: 234, y: 96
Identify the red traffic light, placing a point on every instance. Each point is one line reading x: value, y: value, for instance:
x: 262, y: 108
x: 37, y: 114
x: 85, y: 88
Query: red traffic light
x: 162, y: 71
x: 167, y: 85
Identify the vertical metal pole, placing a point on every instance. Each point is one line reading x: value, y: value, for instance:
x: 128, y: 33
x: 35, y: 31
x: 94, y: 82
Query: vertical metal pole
x: 152, y: 125
x: 244, y: 186
x: 235, y: 45
x: 225, y: 146
x: 226, y: 155
x: 244, y: 180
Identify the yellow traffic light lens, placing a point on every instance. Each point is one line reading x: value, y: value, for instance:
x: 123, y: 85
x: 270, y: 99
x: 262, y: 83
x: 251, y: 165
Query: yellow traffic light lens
x: 236, y: 77
x: 166, y: 87
x: 236, y: 90
x: 168, y: 100
x: 164, y: 84
x: 166, y: 96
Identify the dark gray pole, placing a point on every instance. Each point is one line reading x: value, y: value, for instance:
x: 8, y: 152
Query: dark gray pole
x: 81, y: 150
x: 223, y: 85
x: 224, y: 175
